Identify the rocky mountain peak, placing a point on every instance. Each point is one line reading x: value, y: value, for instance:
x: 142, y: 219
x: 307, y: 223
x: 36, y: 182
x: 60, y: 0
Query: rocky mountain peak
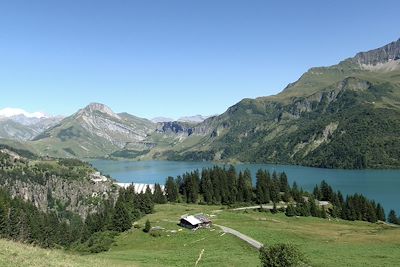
x: 384, y: 54
x: 93, y: 107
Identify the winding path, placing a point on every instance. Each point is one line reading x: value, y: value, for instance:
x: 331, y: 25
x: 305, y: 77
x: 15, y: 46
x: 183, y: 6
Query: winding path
x: 238, y: 234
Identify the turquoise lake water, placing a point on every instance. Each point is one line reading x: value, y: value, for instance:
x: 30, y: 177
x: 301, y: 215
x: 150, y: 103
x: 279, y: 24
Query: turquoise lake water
x: 381, y: 185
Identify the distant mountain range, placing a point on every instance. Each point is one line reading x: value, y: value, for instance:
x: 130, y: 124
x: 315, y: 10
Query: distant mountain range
x: 189, y: 119
x: 343, y: 116
x: 21, y: 125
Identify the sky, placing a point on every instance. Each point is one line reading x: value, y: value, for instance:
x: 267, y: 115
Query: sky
x: 175, y: 58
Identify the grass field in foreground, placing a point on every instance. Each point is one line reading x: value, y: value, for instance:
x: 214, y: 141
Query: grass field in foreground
x: 15, y: 254
x: 325, y: 243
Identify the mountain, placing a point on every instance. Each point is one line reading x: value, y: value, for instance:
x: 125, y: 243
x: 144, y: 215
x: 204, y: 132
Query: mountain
x: 161, y: 119
x: 194, y: 119
x: 94, y: 131
x: 342, y: 116
x: 18, y: 124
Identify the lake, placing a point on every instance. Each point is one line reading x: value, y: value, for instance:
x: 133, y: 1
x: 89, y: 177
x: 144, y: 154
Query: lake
x: 381, y: 185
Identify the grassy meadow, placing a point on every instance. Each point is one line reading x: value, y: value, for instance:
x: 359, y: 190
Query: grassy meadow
x: 324, y: 242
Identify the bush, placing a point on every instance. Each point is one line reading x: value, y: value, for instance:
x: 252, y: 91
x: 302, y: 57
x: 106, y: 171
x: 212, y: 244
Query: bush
x: 98, y: 242
x: 155, y: 233
x: 281, y: 255
x: 147, y: 227
x: 290, y: 211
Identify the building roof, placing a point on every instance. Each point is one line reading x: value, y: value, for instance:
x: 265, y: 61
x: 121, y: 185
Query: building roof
x: 202, y: 218
x: 192, y: 220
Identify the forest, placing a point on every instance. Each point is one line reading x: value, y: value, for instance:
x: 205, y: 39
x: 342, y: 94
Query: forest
x: 226, y: 186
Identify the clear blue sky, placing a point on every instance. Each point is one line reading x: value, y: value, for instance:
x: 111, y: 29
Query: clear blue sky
x: 173, y: 58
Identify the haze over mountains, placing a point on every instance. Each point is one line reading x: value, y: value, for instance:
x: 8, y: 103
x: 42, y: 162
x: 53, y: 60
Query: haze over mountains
x: 342, y: 116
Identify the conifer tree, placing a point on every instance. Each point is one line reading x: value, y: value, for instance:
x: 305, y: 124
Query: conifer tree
x: 120, y: 220
x: 171, y: 189
x: 380, y: 213
x: 262, y: 191
x: 392, y: 217
x: 232, y: 184
x: 158, y: 195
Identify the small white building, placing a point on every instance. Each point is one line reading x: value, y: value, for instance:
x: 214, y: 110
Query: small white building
x: 97, y: 177
x: 195, y: 221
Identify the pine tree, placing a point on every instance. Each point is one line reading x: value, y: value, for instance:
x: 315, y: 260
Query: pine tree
x: 317, y: 193
x: 248, y: 192
x: 241, y: 188
x: 158, y: 195
x: 262, y: 191
x: 206, y: 187
x: 392, y: 217
x: 274, y: 190
x: 314, y: 210
x: 120, y: 221
x: 380, y: 213
x: 283, y: 182
x: 295, y: 192
x: 216, y: 184
x: 171, y: 189
x: 3, y: 220
x: 232, y: 184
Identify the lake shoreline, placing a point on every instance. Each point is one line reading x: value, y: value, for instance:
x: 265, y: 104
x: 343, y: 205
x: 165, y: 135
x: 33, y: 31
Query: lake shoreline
x: 379, y: 185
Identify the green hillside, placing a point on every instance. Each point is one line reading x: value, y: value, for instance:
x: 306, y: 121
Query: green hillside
x: 324, y: 242
x: 343, y: 116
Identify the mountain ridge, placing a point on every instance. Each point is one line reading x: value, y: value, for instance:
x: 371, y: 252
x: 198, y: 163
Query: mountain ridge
x: 308, y: 123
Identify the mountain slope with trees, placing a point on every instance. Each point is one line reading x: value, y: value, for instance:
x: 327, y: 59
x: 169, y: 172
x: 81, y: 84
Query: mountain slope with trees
x: 343, y: 116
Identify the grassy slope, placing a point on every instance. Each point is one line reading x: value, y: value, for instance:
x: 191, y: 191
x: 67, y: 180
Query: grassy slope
x: 21, y: 255
x: 181, y: 248
x: 325, y: 243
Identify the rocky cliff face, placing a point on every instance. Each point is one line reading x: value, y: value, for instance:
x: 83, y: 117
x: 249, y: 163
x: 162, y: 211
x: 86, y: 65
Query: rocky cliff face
x: 384, y: 54
x: 55, y: 185
x: 100, y: 120
x: 183, y: 128
x: 81, y: 197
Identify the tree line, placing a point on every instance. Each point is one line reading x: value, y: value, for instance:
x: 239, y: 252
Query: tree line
x: 224, y: 185
x: 392, y: 218
x: 22, y: 221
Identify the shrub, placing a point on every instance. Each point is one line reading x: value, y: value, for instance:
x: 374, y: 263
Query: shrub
x: 290, y: 211
x: 155, y: 233
x: 147, y: 227
x: 281, y: 255
x: 98, y: 242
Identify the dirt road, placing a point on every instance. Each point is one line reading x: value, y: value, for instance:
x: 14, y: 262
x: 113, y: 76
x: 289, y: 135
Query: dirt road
x: 238, y: 234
